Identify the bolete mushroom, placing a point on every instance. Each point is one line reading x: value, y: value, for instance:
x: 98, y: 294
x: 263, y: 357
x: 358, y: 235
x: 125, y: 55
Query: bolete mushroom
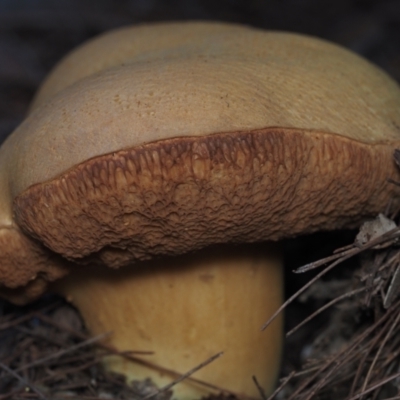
x: 157, y: 142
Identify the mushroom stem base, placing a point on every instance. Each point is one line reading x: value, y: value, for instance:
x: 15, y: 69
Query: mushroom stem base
x: 187, y: 309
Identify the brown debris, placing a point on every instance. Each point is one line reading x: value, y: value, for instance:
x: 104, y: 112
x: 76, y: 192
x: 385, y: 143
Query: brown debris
x: 356, y: 354
x: 43, y: 358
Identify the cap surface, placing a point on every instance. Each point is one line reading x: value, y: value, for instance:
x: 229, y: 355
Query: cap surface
x: 237, y: 79
x: 232, y: 135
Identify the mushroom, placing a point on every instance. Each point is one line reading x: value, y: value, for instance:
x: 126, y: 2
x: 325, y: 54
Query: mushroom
x: 166, y: 148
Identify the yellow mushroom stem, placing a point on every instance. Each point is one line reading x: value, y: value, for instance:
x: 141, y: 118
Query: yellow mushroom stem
x: 187, y: 309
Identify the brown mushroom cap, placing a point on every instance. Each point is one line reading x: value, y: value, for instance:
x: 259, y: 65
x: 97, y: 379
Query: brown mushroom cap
x: 231, y: 134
